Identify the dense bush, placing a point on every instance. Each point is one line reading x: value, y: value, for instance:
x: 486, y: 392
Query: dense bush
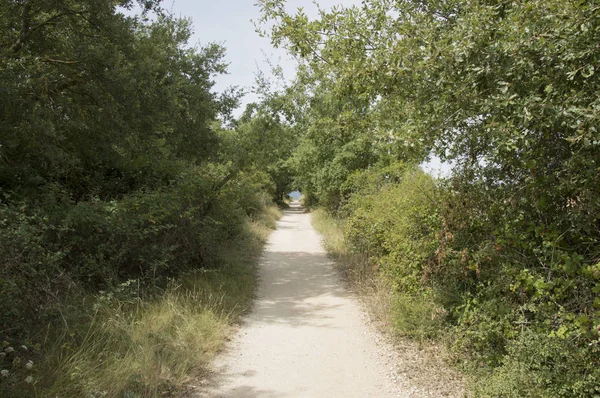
x: 141, y: 337
x: 397, y: 226
x: 96, y: 245
x: 523, y: 331
x: 117, y: 177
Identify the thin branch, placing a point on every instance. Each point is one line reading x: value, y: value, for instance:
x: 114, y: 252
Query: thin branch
x: 59, y: 61
x: 49, y: 21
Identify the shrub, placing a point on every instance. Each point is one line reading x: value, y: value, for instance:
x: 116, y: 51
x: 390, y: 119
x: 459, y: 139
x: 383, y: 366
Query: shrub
x: 396, y: 226
x: 516, y: 305
x: 97, y: 245
x: 538, y: 365
x: 417, y: 316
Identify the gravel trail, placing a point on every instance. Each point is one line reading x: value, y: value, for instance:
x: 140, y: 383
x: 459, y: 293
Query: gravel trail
x: 306, y: 336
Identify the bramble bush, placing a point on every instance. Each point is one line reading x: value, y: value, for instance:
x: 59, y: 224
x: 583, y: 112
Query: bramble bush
x: 524, y: 329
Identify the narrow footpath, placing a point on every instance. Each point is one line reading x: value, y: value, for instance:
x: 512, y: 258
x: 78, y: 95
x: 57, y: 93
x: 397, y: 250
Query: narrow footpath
x: 306, y: 336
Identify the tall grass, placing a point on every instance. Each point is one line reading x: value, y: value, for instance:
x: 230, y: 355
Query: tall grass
x: 140, y: 351
x: 146, y: 347
x: 356, y: 269
x: 354, y: 266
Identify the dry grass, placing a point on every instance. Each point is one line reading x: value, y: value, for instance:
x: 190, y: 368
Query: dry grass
x: 354, y: 267
x: 424, y: 362
x: 144, y: 351
x: 136, y: 348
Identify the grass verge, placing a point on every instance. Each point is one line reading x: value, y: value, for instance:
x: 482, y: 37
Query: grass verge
x: 146, y: 347
x: 421, y: 358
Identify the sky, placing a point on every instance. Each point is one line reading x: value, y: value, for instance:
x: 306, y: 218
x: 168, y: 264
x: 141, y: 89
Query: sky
x: 229, y: 22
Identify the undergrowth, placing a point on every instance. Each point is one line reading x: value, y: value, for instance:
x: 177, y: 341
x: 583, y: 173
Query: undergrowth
x: 402, y: 314
x: 354, y: 266
x: 470, y: 293
x: 413, y: 323
x: 137, y: 344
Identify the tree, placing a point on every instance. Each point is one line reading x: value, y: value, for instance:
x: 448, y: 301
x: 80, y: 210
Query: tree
x: 97, y: 103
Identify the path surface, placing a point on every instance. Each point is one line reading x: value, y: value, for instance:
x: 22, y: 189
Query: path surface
x: 307, y: 336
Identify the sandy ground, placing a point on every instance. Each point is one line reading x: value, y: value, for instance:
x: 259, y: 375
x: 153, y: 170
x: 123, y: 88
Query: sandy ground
x: 306, y: 336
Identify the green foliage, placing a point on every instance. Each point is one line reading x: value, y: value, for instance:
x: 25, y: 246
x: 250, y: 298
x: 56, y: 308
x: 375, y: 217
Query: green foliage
x: 98, y: 244
x: 393, y: 219
x: 418, y: 317
x: 115, y: 107
x: 542, y: 366
x: 507, y: 246
x: 396, y: 225
x: 132, y: 341
x: 264, y: 140
x: 116, y: 179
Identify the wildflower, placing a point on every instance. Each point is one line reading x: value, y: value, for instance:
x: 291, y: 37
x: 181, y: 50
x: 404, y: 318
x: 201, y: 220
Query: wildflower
x: 2, y: 355
x: 24, y: 347
x: 29, y: 365
x: 29, y: 380
x: 4, y: 373
x: 9, y: 349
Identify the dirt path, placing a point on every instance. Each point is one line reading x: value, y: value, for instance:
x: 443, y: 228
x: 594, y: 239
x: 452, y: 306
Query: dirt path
x: 307, y: 336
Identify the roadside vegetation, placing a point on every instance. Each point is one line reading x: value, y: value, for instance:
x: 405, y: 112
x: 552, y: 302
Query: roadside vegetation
x: 499, y: 261
x: 133, y: 208
x: 422, y: 359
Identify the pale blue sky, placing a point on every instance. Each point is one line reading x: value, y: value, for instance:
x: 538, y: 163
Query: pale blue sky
x: 229, y: 22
